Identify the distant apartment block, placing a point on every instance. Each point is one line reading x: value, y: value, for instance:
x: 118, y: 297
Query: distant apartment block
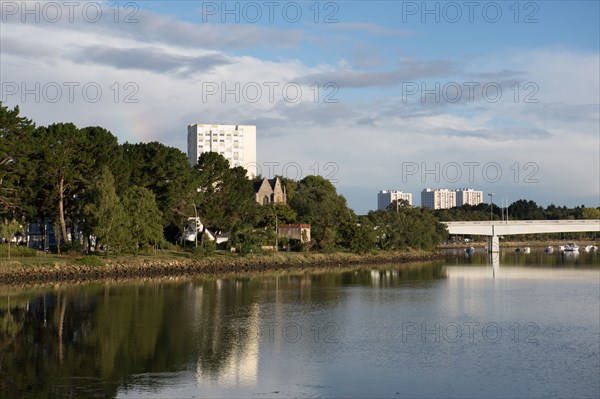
x: 237, y: 143
x: 386, y: 197
x: 438, y: 198
x: 468, y: 196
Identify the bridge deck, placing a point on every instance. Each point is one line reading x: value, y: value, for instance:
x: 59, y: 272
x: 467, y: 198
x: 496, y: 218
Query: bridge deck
x: 496, y: 228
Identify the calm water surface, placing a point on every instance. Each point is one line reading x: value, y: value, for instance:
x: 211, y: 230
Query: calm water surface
x: 459, y: 328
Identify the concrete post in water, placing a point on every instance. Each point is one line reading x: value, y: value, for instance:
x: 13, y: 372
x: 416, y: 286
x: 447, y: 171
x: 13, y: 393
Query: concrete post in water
x: 493, y: 242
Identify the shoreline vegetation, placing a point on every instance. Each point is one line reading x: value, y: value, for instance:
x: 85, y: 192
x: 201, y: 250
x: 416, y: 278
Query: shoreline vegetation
x: 53, y: 269
x: 74, y: 269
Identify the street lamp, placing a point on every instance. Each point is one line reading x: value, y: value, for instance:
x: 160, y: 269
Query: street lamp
x: 276, y: 222
x: 196, y: 220
x: 195, y: 224
x: 491, y: 206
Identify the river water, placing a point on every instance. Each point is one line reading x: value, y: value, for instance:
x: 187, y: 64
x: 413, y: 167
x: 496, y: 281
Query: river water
x: 465, y: 327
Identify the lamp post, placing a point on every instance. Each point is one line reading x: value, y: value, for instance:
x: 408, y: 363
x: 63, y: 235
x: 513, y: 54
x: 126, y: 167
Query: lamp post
x: 491, y: 206
x: 276, y: 235
x: 195, y: 224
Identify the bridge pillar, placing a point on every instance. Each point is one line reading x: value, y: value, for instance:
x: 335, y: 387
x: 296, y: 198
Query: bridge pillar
x: 493, y: 244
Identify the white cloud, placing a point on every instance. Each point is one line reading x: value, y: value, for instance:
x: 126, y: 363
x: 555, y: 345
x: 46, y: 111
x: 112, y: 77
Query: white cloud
x: 169, y: 64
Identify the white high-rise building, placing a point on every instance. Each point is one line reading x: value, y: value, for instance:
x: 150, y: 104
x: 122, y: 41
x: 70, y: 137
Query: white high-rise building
x: 468, y: 196
x: 438, y: 198
x: 386, y: 197
x: 237, y: 143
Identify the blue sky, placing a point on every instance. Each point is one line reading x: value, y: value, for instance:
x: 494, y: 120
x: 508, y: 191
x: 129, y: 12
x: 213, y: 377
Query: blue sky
x: 528, y: 104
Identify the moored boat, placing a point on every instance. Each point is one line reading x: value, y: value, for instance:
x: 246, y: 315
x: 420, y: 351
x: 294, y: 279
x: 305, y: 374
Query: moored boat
x: 549, y: 249
x: 571, y: 247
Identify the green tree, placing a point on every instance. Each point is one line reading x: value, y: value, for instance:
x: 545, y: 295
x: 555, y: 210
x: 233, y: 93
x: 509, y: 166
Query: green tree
x: 396, y: 204
x: 8, y: 231
x: 408, y: 228
x: 358, y: 235
x: 143, y: 217
x: 245, y: 239
x: 554, y: 212
x: 290, y: 187
x: 225, y: 196
x: 526, y: 210
x: 106, y: 217
x: 64, y: 165
x: 590, y: 213
x: 100, y: 148
x: 17, y: 177
x: 467, y: 212
x: 105, y: 150
x: 166, y: 172
x: 316, y: 202
x: 275, y: 214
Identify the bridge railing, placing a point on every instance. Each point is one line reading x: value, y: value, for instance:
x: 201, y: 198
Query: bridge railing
x: 551, y: 222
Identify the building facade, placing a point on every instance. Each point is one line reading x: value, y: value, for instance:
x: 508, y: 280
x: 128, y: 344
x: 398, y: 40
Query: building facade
x: 237, y: 143
x: 270, y: 191
x: 468, y: 196
x: 386, y: 197
x: 438, y: 198
x: 299, y: 232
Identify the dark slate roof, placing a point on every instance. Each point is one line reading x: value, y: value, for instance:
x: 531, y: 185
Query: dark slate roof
x: 256, y: 184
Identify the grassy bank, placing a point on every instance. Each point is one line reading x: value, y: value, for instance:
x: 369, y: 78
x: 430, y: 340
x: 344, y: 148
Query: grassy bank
x: 45, y: 268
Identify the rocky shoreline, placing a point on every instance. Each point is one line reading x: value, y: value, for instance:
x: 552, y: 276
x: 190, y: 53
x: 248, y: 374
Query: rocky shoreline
x: 149, y: 267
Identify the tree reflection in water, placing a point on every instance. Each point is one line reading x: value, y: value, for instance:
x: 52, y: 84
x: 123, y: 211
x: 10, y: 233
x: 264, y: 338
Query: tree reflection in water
x: 92, y: 341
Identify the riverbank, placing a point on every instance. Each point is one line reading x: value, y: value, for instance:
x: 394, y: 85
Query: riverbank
x: 57, y: 269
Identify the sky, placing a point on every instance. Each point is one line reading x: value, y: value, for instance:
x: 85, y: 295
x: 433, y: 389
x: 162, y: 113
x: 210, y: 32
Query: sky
x: 503, y: 96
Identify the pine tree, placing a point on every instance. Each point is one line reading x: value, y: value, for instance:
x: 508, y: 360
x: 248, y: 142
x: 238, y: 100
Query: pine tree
x: 106, y: 218
x: 144, y: 218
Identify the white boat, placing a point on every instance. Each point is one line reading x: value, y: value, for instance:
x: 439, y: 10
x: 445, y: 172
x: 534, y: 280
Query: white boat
x: 470, y: 250
x: 527, y: 250
x: 561, y: 248
x: 571, y: 247
x: 549, y: 250
x: 591, y: 248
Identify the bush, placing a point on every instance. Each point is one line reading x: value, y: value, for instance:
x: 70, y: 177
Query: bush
x: 17, y: 251
x: 195, y: 252
x: 206, y: 248
x: 74, y: 246
x: 284, y: 242
x: 91, y: 260
x: 166, y: 245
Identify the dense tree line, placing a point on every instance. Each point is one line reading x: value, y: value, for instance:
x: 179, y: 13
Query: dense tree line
x: 518, y: 210
x: 89, y: 187
x: 97, y: 193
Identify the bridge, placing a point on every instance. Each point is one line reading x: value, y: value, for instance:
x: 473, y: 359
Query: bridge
x: 496, y: 228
